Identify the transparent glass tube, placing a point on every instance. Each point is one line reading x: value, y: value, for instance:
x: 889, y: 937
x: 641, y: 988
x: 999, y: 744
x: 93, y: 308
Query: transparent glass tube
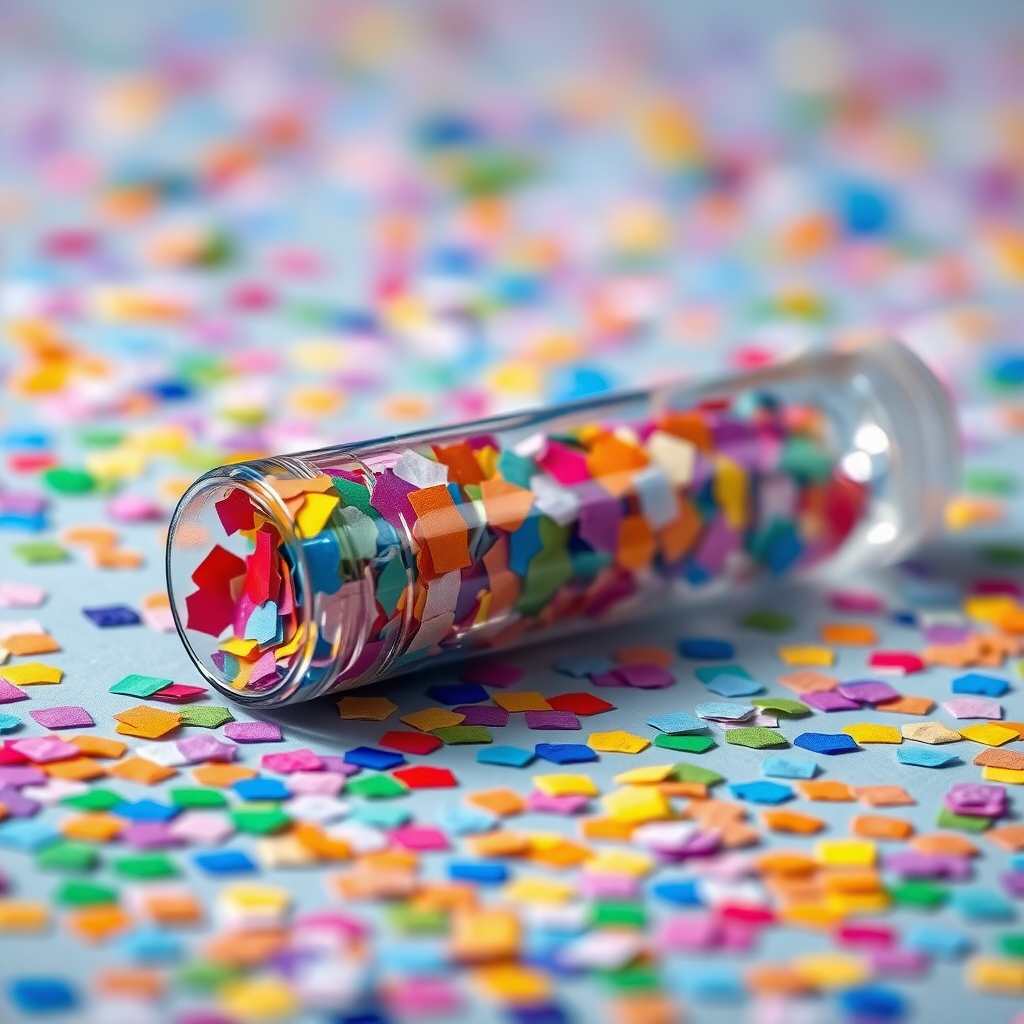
x: 296, y: 576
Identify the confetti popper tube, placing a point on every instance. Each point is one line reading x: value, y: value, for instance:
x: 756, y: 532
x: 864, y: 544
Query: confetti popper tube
x: 295, y: 576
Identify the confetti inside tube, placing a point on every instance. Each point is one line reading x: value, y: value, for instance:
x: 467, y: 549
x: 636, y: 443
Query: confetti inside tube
x: 295, y: 576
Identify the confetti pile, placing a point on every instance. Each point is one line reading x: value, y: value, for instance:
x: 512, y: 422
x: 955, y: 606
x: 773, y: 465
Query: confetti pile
x: 480, y: 543
x: 233, y: 231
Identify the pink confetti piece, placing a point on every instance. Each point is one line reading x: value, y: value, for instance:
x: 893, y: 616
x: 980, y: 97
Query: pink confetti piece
x: 253, y: 732
x: 179, y: 693
x: 69, y: 717
x: 21, y: 595
x: 44, y: 749
x: 292, y: 761
x: 201, y: 828
x: 973, y: 707
x: 568, y: 803
x: 10, y: 693
x: 420, y: 837
x: 204, y: 747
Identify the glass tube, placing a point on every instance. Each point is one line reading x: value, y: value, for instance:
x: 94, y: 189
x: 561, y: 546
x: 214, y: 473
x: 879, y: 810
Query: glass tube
x: 296, y: 576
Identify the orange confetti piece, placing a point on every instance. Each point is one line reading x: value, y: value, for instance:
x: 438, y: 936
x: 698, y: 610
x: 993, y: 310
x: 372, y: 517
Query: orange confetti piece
x: 222, y: 776
x: 94, y: 827
x: 98, y: 746
x: 877, y: 826
x: 75, y: 769
x: 138, y: 769
x: 907, y: 705
x: 884, y: 795
x: 848, y: 634
x: 644, y: 656
x: 808, y: 681
x: 825, y: 789
x: 506, y: 506
x: 31, y: 643
x: 636, y: 545
x: 443, y: 529
x: 945, y: 843
x: 503, y: 802
x: 147, y: 722
x: 792, y: 821
x: 99, y: 923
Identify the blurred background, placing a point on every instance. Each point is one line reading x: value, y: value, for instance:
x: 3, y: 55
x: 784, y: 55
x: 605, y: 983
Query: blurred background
x: 270, y: 226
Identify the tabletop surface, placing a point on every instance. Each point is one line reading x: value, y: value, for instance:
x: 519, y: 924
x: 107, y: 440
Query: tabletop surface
x: 233, y: 230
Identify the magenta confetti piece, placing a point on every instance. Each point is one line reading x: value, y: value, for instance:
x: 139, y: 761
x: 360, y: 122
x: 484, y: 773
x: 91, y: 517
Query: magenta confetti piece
x: 253, y: 732
x: 70, y: 717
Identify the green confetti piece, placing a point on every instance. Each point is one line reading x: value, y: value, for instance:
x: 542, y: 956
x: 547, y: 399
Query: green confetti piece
x: 100, y: 437
x: 416, y: 920
x: 391, y: 584
x: 188, y: 797
x: 84, y: 894
x: 804, y: 459
x: 635, y: 978
x: 757, y: 737
x: 453, y: 734
x: 204, y: 716
x: 1002, y: 554
x: 146, y: 866
x: 919, y: 892
x: 767, y: 620
x: 67, y: 480
x: 259, y: 818
x: 355, y: 495
x: 1012, y: 944
x: 618, y: 914
x: 40, y: 552
x: 205, y: 976
x: 686, y: 772
x: 134, y: 685
x: 989, y: 481
x: 687, y: 744
x: 783, y: 705
x: 69, y: 857
x: 376, y: 787
x: 95, y: 800
x: 962, y: 822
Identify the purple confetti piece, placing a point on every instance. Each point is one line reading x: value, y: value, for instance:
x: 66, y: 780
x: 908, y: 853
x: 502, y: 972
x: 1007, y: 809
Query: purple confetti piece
x: 608, y: 886
x: 973, y: 707
x: 10, y: 693
x: 70, y: 717
x: 907, y: 963
x: 483, y: 714
x: 18, y: 775
x: 16, y: 804
x: 204, y: 747
x: 148, y: 835
x: 911, y: 864
x: 568, y: 803
x: 253, y: 732
x: 646, y: 677
x: 551, y: 720
x: 829, y: 700
x: 868, y: 691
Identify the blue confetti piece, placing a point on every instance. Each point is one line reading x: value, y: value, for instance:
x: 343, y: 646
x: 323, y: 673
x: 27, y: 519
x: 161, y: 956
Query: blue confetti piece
x: 706, y: 673
x: 381, y: 815
x: 466, y: 820
x: 706, y: 648
x: 8, y: 723
x: 458, y: 693
x: 734, y: 686
x: 261, y: 789
x: 872, y: 1004
x: 565, y: 753
x: 262, y: 623
x: 371, y: 757
x: 538, y: 1013
x: 762, y: 792
x: 937, y: 942
x: 42, y: 995
x: 510, y: 757
x: 975, y: 682
x: 112, y: 615
x: 683, y: 893
x: 581, y: 665
x: 151, y: 946
x: 781, y: 767
x: 925, y: 757
x: 827, y: 742
x: 27, y: 835
x: 224, y: 862
x: 482, y: 872
x: 982, y: 905
x: 676, y: 723
x: 716, y: 709
x: 145, y: 810
x: 709, y: 981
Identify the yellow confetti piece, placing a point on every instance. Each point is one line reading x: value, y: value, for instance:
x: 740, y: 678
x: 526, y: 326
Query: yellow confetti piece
x: 646, y: 776
x: 845, y: 853
x: 929, y: 732
x: 566, y: 785
x: 259, y: 999
x: 485, y: 935
x: 807, y: 654
x: 730, y: 490
x: 33, y: 673
x: 617, y: 742
x: 831, y: 970
x: 255, y: 897
x: 868, y: 732
x: 1013, y: 776
x: 990, y: 608
x: 23, y: 916
x: 989, y: 733
x: 531, y: 700
x: 851, y: 904
x: 964, y: 512
x: 283, y: 852
x: 537, y: 890
x: 637, y: 804
x: 239, y: 648
x: 315, y: 512
x: 430, y: 719
x: 366, y: 709
x: 620, y: 862
x: 992, y: 974
x: 514, y: 983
